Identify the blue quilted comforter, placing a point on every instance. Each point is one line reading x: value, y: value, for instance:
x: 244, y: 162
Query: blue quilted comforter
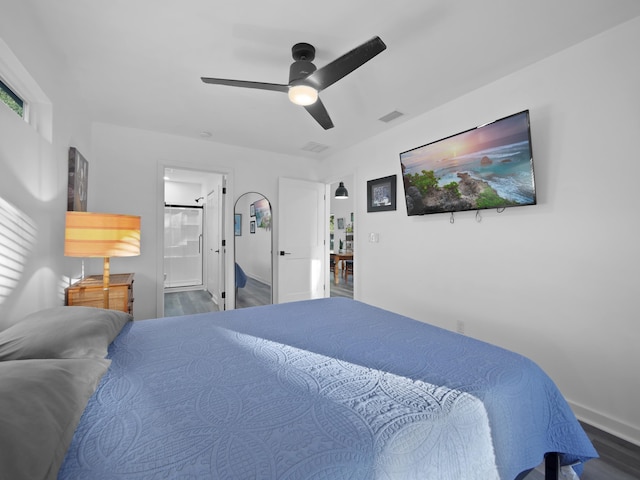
x: 320, y: 389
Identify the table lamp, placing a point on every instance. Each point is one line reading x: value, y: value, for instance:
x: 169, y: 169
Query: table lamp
x: 106, y: 235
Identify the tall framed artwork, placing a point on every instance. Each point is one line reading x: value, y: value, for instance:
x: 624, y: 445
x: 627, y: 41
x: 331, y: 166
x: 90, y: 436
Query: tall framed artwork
x: 78, y: 179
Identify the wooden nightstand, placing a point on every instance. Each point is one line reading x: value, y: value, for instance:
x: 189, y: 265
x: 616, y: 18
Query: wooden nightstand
x: 88, y: 292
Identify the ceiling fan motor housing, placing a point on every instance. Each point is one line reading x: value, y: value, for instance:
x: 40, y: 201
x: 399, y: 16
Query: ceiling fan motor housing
x: 303, y: 51
x: 303, y: 54
x: 299, y: 70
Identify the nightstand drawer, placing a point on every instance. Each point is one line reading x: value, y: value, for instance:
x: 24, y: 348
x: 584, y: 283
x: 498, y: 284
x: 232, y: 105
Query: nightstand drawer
x: 88, y: 292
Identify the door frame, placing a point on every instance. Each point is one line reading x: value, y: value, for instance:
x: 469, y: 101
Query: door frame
x: 329, y: 195
x: 226, y: 230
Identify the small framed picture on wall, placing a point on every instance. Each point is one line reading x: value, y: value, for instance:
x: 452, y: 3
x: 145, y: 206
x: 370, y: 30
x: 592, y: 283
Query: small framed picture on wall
x: 381, y: 194
x: 237, y: 224
x: 252, y: 226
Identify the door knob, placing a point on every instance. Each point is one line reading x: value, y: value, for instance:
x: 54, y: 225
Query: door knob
x: 283, y: 253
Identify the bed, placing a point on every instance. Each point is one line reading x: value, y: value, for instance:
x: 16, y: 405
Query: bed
x: 320, y: 389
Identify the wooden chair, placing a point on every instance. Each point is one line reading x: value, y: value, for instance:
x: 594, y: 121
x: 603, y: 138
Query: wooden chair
x: 348, y: 269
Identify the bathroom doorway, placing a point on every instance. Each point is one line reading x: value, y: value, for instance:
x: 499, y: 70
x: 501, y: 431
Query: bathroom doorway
x: 193, y: 233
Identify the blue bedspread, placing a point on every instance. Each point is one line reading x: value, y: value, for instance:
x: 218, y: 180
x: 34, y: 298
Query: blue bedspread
x: 320, y: 389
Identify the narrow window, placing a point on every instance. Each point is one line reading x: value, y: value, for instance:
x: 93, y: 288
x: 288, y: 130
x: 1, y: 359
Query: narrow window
x: 9, y: 97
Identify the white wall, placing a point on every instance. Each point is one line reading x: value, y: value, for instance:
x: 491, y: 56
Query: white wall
x: 127, y: 178
x: 33, y: 174
x: 557, y: 282
x: 183, y: 193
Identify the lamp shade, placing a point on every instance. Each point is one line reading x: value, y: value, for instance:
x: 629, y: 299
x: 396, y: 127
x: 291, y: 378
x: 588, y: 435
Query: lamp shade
x: 341, y: 191
x: 89, y: 234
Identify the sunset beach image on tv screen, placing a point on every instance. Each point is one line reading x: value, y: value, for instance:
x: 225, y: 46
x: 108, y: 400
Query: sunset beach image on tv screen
x: 490, y: 166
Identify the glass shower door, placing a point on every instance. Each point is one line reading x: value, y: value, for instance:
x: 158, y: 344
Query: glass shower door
x: 183, y: 246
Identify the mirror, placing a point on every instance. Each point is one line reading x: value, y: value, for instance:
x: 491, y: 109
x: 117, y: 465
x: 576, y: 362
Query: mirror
x: 253, y: 250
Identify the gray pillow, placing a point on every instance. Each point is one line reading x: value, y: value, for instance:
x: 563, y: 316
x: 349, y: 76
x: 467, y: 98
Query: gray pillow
x: 62, y: 332
x: 41, y: 402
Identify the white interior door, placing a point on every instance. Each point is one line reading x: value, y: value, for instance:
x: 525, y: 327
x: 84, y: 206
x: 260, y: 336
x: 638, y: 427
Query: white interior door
x: 212, y: 246
x: 222, y: 249
x: 301, y: 233
x: 215, y: 249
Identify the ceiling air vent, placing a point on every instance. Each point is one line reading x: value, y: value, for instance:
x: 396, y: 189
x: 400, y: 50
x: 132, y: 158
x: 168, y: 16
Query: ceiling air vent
x: 390, y: 116
x: 315, y: 147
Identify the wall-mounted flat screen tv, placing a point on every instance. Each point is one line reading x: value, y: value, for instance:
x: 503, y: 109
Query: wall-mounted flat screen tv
x: 490, y: 166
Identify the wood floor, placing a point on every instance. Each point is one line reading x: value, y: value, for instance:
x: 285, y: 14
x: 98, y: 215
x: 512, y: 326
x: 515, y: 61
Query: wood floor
x: 253, y: 294
x: 257, y: 293
x: 344, y: 288
x: 619, y: 460
x: 188, y: 302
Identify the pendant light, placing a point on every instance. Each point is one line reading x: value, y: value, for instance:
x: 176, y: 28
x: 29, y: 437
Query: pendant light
x: 341, y: 192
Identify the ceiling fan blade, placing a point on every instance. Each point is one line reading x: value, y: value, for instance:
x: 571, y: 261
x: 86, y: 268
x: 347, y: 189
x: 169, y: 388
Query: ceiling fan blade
x: 246, y: 84
x: 344, y: 65
x: 320, y: 113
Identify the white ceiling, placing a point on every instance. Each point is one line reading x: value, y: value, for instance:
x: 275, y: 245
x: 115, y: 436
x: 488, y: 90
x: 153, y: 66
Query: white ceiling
x: 138, y: 63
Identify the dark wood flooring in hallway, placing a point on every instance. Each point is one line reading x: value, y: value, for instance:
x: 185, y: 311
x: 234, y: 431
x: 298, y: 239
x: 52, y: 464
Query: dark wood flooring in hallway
x: 344, y: 287
x: 188, y: 302
x: 254, y: 293
x: 619, y: 459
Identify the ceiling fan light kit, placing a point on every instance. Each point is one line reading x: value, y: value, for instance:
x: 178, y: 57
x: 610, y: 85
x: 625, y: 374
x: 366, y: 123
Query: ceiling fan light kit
x: 305, y: 81
x: 303, y: 95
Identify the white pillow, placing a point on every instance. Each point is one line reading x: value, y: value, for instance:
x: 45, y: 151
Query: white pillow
x: 41, y: 402
x: 62, y: 332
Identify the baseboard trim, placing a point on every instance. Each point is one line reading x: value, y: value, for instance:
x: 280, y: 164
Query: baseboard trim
x: 614, y: 427
x: 188, y: 288
x: 257, y: 278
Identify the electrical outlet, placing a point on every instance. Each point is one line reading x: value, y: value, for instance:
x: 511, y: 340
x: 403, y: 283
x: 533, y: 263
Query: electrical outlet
x: 374, y: 238
x: 460, y: 326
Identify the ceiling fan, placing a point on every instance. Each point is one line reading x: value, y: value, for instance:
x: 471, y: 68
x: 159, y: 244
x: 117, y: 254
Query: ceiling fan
x: 305, y: 81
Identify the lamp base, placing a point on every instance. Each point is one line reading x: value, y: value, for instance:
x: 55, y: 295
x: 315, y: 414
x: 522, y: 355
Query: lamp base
x: 105, y: 282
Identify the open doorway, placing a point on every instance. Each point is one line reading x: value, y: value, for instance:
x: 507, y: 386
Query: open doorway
x: 193, y: 262
x: 341, y: 237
